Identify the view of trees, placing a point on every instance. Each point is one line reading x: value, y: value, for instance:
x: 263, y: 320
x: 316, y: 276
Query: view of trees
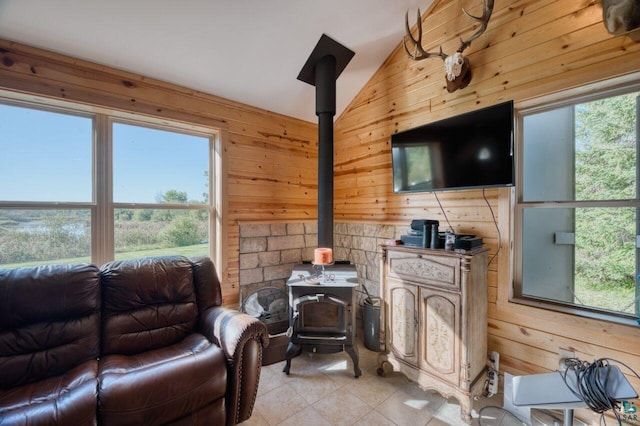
x: 606, y: 170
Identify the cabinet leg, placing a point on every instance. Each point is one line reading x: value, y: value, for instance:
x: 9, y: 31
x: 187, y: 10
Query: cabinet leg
x: 384, y: 366
x: 465, y: 411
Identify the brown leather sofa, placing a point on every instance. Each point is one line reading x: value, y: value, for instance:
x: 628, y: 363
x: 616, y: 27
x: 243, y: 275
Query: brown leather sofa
x: 139, y: 342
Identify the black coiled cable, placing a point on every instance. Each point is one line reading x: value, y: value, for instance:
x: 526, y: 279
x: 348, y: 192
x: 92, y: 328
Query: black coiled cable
x: 592, y: 379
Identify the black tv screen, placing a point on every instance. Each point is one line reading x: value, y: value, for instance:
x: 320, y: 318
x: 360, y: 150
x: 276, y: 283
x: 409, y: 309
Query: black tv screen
x: 471, y: 150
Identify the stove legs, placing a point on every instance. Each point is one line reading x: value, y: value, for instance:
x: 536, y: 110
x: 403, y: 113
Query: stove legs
x: 352, y: 350
x: 293, y: 350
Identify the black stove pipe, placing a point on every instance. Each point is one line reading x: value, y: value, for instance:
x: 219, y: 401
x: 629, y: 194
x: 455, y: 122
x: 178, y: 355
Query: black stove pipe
x: 325, y: 82
x: 323, y: 67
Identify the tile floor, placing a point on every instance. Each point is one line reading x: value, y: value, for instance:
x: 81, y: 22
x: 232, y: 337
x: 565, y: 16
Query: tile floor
x: 321, y: 390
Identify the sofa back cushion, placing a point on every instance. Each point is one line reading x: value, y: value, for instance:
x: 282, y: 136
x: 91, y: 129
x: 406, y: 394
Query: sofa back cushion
x: 205, y: 279
x: 147, y: 304
x: 49, y: 321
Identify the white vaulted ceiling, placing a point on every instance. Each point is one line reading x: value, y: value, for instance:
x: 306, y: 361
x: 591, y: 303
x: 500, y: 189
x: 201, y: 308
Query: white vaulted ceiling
x: 249, y: 51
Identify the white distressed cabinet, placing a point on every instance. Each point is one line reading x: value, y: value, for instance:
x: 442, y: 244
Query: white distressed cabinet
x: 434, y: 321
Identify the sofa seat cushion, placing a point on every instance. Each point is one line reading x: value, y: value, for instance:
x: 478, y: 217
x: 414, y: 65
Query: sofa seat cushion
x: 161, y: 385
x: 69, y: 399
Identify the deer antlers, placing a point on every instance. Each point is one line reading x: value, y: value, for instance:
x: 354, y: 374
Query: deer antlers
x: 457, y: 67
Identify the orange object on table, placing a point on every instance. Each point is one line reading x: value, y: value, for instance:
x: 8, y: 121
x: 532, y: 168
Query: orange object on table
x: 323, y: 256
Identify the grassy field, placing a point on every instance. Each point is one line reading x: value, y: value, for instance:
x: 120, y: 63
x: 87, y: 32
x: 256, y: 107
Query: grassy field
x: 616, y: 299
x: 188, y: 251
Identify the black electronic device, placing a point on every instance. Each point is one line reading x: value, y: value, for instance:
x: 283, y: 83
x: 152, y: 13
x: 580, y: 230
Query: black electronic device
x: 472, y: 150
x: 420, y: 233
x: 411, y: 240
x: 467, y: 242
x: 418, y: 224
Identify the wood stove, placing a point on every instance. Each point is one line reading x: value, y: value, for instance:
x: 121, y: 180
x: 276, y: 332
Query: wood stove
x: 322, y: 314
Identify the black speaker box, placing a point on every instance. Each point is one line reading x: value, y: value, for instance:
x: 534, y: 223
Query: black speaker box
x: 468, y: 242
x: 418, y: 224
x: 411, y: 240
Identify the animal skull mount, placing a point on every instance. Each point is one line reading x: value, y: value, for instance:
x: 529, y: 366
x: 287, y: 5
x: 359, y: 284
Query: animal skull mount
x: 457, y: 67
x: 621, y: 16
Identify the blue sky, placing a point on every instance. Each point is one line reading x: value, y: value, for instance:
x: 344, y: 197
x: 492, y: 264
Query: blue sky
x: 148, y: 162
x: 46, y: 156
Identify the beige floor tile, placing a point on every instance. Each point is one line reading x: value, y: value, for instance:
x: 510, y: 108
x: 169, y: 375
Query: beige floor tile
x: 307, y: 417
x: 313, y: 387
x: 338, y: 366
x: 449, y: 414
x: 374, y: 419
x: 374, y: 389
x: 321, y: 390
x: 342, y: 408
x: 410, y: 406
x: 271, y: 377
x: 279, y: 404
x: 439, y: 422
x: 496, y: 416
x: 368, y: 358
x: 256, y: 419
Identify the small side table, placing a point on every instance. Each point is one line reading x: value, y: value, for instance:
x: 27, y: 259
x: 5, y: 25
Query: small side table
x: 549, y: 390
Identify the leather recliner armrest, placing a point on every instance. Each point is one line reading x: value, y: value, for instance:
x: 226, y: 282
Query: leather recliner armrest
x: 242, y: 339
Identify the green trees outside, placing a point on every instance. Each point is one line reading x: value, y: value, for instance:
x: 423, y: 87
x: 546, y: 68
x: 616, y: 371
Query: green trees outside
x: 148, y: 229
x: 606, y: 170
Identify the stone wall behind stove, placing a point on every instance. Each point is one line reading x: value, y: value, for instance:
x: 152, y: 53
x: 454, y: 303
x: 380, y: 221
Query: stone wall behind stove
x: 269, y: 251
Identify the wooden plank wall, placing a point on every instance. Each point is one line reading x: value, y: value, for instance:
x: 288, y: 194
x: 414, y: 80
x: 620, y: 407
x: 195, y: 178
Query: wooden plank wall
x: 270, y: 159
x: 531, y: 48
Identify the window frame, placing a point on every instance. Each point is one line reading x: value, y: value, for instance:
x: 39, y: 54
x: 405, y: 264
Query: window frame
x: 101, y: 206
x: 610, y: 88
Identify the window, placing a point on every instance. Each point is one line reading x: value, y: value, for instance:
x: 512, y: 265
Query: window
x: 577, y: 205
x: 78, y: 187
x: 160, y: 191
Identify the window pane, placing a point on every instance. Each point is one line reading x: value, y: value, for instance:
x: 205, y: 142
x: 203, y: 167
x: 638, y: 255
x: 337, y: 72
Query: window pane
x: 606, y: 149
x: 34, y: 237
x: 581, y: 256
x: 154, y: 232
x: 548, y: 254
x: 45, y: 156
x: 581, y: 152
x: 606, y: 258
x: 548, y: 150
x: 159, y: 166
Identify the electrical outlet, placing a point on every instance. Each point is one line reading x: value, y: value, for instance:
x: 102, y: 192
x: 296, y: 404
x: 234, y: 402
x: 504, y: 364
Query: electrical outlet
x: 562, y: 355
x: 492, y: 388
x: 494, y: 375
x: 495, y: 360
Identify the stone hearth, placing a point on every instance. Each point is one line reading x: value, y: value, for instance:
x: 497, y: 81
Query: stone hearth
x: 268, y: 252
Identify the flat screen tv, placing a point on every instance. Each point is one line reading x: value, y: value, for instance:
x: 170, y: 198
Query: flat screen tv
x: 472, y: 150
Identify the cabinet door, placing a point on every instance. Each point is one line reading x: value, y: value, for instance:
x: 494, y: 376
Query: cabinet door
x: 403, y: 320
x: 440, y: 334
